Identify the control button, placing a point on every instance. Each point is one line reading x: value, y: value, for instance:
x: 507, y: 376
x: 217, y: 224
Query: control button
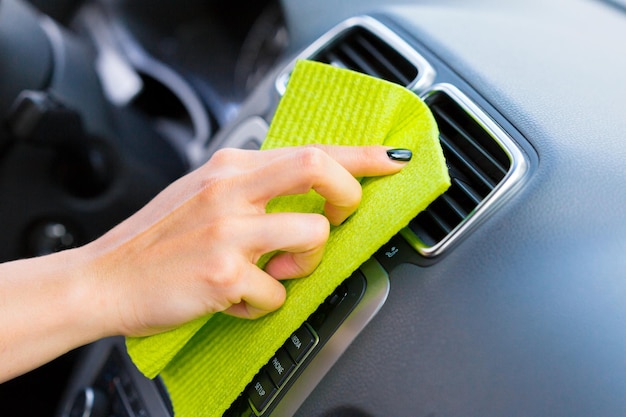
x: 395, y: 252
x: 300, y: 342
x: 337, y: 296
x: 261, y: 391
x: 279, y: 367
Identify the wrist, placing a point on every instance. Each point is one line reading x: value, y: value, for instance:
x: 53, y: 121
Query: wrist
x: 49, y: 306
x: 93, y: 298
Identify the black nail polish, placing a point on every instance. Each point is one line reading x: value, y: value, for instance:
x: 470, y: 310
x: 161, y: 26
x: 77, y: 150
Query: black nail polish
x: 400, y: 154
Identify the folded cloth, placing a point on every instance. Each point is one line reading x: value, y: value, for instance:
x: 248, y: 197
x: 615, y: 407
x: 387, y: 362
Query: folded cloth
x: 206, y: 364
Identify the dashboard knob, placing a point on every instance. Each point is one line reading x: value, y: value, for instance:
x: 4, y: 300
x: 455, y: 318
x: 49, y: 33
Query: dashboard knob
x: 48, y: 236
x: 89, y: 402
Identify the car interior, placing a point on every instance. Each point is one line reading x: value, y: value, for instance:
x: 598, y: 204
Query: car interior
x: 505, y: 297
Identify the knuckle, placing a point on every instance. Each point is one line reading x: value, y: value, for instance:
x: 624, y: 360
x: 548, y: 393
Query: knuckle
x: 225, y: 274
x: 355, y: 196
x: 365, y: 154
x: 225, y: 156
x: 319, y: 229
x: 278, y: 296
x: 311, y: 159
x: 350, y: 198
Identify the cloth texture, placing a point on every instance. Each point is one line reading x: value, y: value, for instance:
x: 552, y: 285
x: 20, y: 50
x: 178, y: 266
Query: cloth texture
x: 207, y: 363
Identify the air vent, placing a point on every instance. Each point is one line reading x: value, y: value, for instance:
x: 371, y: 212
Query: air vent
x: 482, y: 161
x: 476, y: 164
x: 365, y: 45
x: 360, y: 50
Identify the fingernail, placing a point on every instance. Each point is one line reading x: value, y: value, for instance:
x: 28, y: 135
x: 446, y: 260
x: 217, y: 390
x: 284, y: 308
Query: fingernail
x: 400, y: 154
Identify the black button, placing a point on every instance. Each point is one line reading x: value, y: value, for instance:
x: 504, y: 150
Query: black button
x: 338, y: 295
x: 395, y: 252
x: 261, y: 391
x: 300, y: 342
x: 279, y: 367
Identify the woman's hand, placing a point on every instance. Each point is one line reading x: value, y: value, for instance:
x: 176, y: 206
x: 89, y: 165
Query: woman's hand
x: 189, y: 252
x: 193, y: 250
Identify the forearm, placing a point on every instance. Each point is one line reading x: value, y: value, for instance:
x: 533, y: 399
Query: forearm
x: 47, y: 308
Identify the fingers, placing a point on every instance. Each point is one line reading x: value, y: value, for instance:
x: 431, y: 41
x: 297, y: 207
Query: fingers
x: 260, y: 294
x: 302, y: 238
x: 329, y: 170
x: 360, y: 161
x: 299, y: 237
x: 367, y: 161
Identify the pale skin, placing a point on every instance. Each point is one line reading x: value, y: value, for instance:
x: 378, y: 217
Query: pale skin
x: 191, y: 251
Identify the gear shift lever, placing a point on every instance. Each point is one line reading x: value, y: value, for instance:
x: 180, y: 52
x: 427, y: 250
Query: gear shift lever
x: 39, y: 119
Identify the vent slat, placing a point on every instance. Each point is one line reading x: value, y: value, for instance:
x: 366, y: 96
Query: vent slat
x: 454, y: 208
x: 459, y: 162
x: 492, y: 166
x: 334, y: 60
x: 468, y: 192
x: 359, y: 61
x: 444, y: 214
x: 381, y: 58
x: 428, y: 227
x: 360, y: 50
x: 439, y: 222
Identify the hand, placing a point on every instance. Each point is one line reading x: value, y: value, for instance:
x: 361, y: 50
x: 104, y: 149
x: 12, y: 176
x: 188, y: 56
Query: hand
x: 193, y: 249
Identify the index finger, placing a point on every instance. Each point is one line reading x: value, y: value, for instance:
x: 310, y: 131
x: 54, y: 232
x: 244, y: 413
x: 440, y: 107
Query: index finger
x: 329, y: 170
x: 368, y: 161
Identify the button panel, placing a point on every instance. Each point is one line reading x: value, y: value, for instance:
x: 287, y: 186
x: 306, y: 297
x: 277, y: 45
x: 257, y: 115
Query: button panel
x: 275, y: 378
x: 274, y: 375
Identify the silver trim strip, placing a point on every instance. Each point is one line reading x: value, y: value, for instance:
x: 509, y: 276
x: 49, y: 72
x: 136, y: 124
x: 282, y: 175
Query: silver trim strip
x: 425, y: 72
x: 518, y: 169
x: 90, y: 399
x: 376, y: 293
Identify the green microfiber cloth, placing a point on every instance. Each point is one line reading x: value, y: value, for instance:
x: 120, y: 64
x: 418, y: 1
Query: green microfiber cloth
x: 207, y: 363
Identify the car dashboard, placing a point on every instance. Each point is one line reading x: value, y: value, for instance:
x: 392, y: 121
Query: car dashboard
x: 506, y: 296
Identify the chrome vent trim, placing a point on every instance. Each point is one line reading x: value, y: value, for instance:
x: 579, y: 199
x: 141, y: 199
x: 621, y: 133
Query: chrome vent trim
x: 364, y: 44
x: 484, y: 163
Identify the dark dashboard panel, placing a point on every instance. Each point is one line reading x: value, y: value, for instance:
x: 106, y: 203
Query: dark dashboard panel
x: 525, y: 317
x: 525, y: 314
